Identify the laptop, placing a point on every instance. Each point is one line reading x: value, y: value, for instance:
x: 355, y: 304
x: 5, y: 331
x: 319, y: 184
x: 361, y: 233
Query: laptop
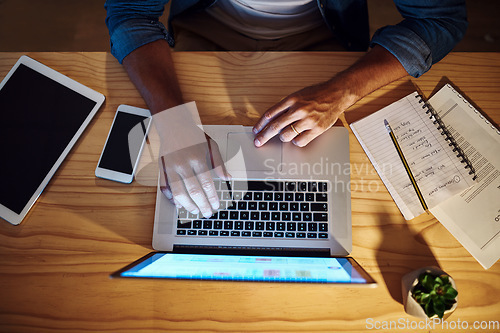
x: 284, y: 216
x: 291, y: 197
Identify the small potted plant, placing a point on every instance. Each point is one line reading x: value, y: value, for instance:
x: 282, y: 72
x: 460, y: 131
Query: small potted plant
x: 429, y: 292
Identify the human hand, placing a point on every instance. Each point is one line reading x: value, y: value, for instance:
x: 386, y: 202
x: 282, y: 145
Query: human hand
x: 305, y: 114
x: 186, y: 157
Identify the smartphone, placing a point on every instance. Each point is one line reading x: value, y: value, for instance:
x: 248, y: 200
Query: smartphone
x: 123, y: 147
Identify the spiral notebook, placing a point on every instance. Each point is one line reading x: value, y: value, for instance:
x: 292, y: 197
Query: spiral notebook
x: 453, y: 153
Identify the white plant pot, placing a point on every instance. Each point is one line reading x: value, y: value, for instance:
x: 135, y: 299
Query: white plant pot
x: 410, y: 280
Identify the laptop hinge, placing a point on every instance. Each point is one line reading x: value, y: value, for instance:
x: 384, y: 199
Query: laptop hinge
x: 252, y: 251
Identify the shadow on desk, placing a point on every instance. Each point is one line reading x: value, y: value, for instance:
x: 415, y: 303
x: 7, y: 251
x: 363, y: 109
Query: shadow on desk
x: 379, y: 99
x: 127, y: 210
x: 399, y: 244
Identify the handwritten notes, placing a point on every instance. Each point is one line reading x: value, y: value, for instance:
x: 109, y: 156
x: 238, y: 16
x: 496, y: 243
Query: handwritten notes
x: 438, y: 171
x: 469, y: 209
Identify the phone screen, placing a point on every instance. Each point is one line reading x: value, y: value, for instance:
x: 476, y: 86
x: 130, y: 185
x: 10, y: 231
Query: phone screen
x: 124, y: 142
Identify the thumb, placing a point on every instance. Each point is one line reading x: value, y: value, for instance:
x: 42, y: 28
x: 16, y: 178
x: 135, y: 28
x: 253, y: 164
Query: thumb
x: 216, y: 160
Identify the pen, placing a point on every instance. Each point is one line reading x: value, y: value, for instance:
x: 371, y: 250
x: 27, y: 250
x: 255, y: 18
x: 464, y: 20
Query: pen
x: 407, y: 167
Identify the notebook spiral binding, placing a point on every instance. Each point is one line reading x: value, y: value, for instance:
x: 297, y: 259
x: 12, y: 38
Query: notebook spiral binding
x: 448, y: 136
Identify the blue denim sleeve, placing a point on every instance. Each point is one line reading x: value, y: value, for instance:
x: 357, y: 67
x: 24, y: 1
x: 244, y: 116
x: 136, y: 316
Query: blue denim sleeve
x: 429, y: 31
x: 132, y: 24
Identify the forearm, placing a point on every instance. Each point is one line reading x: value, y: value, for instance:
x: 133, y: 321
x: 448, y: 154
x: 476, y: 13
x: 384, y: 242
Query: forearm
x: 185, y: 177
x: 151, y: 69
x: 373, y: 71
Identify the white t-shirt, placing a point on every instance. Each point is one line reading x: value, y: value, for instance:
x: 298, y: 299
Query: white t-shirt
x: 271, y: 19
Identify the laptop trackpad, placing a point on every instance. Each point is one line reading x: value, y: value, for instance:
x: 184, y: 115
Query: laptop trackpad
x: 242, y: 155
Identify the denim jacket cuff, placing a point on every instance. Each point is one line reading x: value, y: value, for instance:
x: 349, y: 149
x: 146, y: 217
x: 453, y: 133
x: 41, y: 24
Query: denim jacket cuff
x: 411, y: 50
x: 134, y: 33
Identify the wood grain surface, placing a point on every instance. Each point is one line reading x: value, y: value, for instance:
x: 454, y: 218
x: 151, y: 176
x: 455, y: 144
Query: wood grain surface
x: 54, y: 267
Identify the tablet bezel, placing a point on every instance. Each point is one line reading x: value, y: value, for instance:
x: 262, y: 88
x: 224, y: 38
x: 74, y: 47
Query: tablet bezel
x: 6, y: 213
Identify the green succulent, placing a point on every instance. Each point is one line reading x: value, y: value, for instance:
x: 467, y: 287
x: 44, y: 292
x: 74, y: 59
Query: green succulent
x: 435, y: 294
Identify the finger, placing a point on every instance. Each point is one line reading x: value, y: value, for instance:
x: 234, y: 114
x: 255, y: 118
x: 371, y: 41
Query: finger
x: 217, y: 162
x: 271, y: 113
x: 207, y: 185
x: 220, y: 169
x: 306, y: 137
x: 277, y: 125
x: 196, y: 193
x: 292, y: 131
x: 180, y: 194
x: 164, y: 186
x: 167, y: 192
x: 176, y: 203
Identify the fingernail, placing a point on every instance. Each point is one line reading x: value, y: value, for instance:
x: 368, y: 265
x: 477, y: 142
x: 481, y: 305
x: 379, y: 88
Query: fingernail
x: 215, y: 205
x: 195, y: 212
x: 166, y: 192
x: 256, y: 142
x: 255, y: 130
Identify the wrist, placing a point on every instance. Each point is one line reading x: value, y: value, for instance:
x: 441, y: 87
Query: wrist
x: 375, y: 69
x: 151, y: 69
x: 179, y: 127
x: 344, y: 91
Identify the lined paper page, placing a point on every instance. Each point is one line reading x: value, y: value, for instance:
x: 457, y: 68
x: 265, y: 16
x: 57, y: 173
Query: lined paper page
x: 438, y: 172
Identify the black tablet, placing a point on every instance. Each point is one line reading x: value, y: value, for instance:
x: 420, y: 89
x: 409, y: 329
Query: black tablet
x: 42, y: 115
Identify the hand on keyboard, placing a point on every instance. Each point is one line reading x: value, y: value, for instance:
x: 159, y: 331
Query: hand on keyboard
x: 185, y: 178
x: 263, y: 209
x: 303, y: 115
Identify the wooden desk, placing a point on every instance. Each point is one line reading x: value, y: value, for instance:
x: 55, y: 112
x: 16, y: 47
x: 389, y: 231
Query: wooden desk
x: 54, y: 267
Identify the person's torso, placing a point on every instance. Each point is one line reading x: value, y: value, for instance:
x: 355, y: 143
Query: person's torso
x: 265, y: 19
x: 347, y: 19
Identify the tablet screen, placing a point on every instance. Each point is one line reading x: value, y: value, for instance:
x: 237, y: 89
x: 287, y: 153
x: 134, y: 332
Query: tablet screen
x: 38, y: 119
x: 248, y: 268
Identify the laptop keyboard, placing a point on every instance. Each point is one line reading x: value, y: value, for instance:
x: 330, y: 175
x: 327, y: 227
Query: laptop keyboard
x: 263, y: 209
